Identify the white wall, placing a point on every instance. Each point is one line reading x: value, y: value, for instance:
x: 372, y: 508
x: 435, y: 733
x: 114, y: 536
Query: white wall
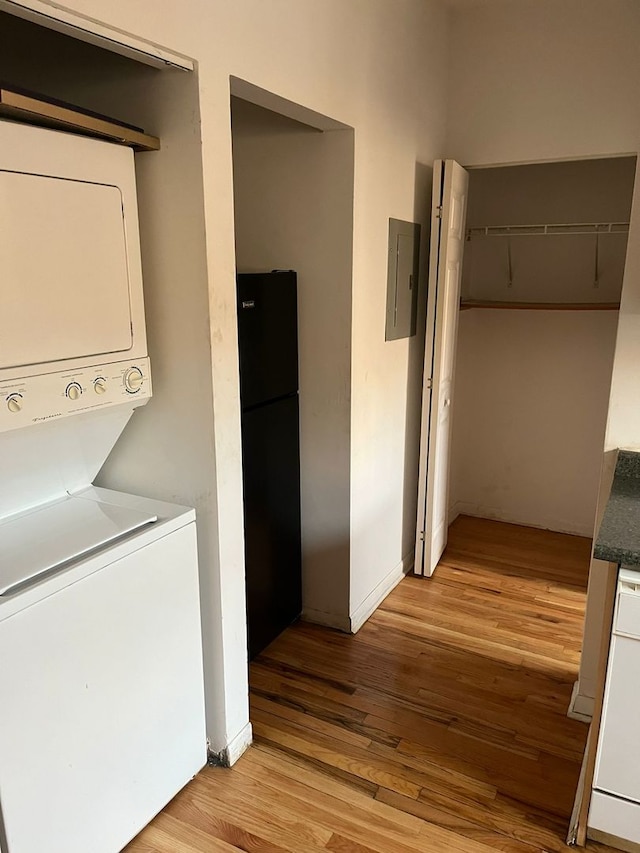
x: 379, y: 67
x: 293, y: 198
x: 530, y: 410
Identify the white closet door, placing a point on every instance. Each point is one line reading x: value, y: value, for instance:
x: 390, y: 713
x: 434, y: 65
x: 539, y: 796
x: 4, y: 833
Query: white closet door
x: 447, y: 244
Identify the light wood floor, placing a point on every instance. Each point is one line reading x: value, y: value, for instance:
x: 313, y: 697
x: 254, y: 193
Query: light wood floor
x: 441, y: 726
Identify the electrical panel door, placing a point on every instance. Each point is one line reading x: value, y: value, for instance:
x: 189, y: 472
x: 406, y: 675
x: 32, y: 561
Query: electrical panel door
x: 402, y: 279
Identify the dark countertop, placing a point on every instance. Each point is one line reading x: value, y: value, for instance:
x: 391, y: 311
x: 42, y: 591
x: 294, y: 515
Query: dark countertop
x: 619, y: 536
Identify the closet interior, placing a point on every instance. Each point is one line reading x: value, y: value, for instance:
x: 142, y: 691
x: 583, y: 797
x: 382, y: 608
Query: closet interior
x: 542, y: 277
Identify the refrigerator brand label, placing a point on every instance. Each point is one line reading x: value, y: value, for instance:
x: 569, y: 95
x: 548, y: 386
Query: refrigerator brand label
x: 249, y: 303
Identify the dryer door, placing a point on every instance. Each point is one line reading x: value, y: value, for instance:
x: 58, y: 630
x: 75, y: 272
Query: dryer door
x: 64, y: 282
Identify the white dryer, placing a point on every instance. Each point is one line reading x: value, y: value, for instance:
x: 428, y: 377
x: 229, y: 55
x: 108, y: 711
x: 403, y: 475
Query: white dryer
x: 102, y: 698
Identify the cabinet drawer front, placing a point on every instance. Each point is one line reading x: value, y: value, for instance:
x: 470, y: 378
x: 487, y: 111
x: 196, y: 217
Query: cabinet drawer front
x: 618, y: 760
x: 615, y: 817
x: 628, y: 614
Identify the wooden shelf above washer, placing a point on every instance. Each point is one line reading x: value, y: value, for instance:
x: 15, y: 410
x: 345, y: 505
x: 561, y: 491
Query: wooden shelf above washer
x: 541, y: 306
x: 33, y: 109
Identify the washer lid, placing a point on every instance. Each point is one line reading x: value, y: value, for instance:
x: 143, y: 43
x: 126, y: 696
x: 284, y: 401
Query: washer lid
x: 48, y: 537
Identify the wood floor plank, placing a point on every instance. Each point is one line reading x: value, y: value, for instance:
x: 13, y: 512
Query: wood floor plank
x: 343, y: 721
x: 168, y: 835
x: 272, y: 707
x: 440, y: 726
x: 438, y: 816
x: 357, y: 763
x: 258, y: 816
x: 380, y: 835
x: 275, y: 769
x: 338, y: 844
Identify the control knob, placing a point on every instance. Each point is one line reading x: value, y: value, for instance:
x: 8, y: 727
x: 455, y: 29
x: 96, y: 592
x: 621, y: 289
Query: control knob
x: 73, y: 391
x: 14, y: 403
x: 133, y: 380
x: 100, y: 385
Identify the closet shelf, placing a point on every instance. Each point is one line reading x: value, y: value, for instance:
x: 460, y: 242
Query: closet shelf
x: 547, y: 230
x: 466, y: 304
x: 34, y: 109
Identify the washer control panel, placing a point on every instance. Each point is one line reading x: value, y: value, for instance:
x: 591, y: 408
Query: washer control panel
x: 49, y: 396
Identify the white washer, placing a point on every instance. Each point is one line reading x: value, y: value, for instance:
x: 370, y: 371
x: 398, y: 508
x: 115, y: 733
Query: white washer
x: 101, y: 718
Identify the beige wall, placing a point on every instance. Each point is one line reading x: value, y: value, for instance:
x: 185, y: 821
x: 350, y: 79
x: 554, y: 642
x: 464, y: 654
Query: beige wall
x: 536, y: 79
x: 552, y: 267
x: 540, y: 80
x: 376, y: 66
x: 623, y: 431
x: 167, y: 450
x: 556, y: 79
x: 623, y: 424
x: 530, y: 410
x: 532, y: 387
x: 293, y: 197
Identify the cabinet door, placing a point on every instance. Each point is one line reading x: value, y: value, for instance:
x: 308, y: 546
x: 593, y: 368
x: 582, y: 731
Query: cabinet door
x: 618, y: 761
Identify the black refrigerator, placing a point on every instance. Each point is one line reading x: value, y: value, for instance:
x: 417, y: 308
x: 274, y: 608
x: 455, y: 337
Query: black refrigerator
x: 268, y: 346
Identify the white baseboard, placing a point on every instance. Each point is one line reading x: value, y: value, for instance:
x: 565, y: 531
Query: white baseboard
x: 236, y: 747
x: 329, y: 620
x: 239, y: 744
x: 380, y: 592
x: 580, y: 707
x: 454, y: 512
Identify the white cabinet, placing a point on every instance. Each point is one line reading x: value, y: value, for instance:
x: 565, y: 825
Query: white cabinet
x: 615, y: 805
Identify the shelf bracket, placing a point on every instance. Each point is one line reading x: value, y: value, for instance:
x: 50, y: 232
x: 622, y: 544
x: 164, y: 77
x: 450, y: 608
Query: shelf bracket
x: 509, y: 262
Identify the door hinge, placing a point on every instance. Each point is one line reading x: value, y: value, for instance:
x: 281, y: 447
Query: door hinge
x: 439, y: 211
x: 429, y: 383
x: 422, y: 535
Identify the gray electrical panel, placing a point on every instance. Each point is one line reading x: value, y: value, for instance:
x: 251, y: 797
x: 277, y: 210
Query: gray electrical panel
x: 402, y: 279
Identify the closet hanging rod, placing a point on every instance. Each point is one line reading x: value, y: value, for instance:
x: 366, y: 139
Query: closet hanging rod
x: 554, y: 228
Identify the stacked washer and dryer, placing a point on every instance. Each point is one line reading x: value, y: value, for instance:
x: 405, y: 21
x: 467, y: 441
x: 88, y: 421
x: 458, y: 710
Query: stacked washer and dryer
x: 101, y: 685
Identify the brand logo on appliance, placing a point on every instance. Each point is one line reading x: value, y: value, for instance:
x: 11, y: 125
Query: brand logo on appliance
x: 47, y: 417
x: 249, y: 303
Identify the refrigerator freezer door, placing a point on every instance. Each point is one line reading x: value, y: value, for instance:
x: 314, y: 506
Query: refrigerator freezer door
x: 268, y: 336
x: 271, y: 467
